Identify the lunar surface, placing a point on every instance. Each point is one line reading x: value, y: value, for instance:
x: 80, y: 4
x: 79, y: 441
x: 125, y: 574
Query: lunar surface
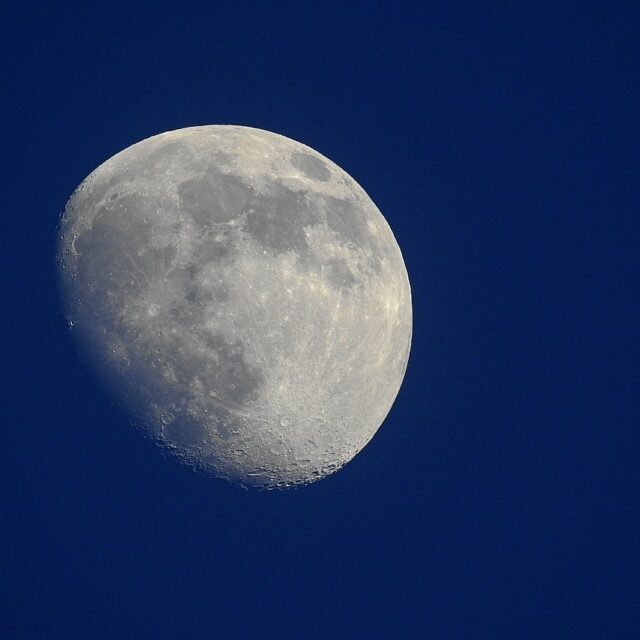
x: 242, y: 297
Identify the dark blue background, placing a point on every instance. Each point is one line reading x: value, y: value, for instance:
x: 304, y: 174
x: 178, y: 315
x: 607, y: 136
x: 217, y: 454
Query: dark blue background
x: 500, y: 140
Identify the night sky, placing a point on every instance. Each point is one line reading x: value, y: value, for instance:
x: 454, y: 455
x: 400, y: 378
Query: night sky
x: 498, y: 499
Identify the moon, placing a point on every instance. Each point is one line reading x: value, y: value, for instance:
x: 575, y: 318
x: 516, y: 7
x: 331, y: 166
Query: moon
x: 241, y: 297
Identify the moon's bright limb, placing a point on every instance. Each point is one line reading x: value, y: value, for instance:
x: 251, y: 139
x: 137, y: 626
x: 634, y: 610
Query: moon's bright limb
x: 242, y: 296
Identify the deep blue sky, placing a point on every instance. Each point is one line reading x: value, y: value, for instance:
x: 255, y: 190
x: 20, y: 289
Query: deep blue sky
x: 500, y: 140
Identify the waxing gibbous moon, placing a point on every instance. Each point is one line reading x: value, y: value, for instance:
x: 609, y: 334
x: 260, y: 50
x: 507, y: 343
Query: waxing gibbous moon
x: 242, y: 297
